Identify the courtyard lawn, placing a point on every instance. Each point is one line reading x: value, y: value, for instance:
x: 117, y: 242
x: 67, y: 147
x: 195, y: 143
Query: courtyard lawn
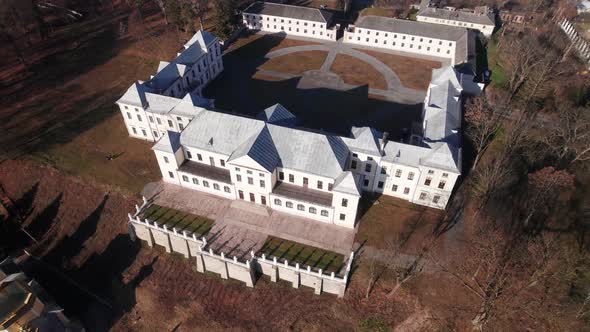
x: 498, y: 75
x: 356, y: 72
x: 413, y: 73
x: 182, y: 221
x: 296, y: 63
x: 295, y: 252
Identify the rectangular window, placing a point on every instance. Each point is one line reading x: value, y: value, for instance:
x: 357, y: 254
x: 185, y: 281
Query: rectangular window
x: 241, y: 194
x: 435, y: 199
x: 281, y: 176
x: 445, y: 175
x: 342, y: 216
x: 215, y: 186
x: 248, y: 171
x: 159, y: 121
x: 199, y: 157
x: 406, y: 190
x: 344, y: 202
x: 250, y: 180
x: 441, y: 185
x: 353, y: 164
x: 262, y: 183
x: 129, y: 115
x: 189, y: 155
x: 165, y: 159
x: 205, y: 184
x: 195, y: 181
x: 380, y: 185
x: 320, y: 185
x: 134, y: 131
x: 330, y: 186
x: 238, y: 178
x: 383, y: 170
x: 151, y: 119
x: 422, y: 196
x: 263, y: 200
x: 170, y: 124
x: 180, y: 126
x: 300, y: 207
x: 368, y: 168
x: 427, y: 181
x: 139, y: 117
x: 394, y: 187
x: 222, y: 162
x: 398, y: 173
x: 305, y: 182
x: 291, y: 178
x: 185, y: 178
x: 171, y: 175
x: 366, y: 183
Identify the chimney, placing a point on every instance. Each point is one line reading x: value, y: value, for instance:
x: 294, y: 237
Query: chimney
x: 384, y: 142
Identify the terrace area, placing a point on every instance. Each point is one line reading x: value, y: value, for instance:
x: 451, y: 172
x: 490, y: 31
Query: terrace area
x: 206, y: 171
x: 294, y: 252
x: 302, y: 194
x: 182, y: 221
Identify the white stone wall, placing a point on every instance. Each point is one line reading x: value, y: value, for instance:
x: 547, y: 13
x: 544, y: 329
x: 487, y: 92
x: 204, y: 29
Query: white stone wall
x: 191, y: 181
x: 307, y: 211
x: 358, y: 165
x: 487, y: 30
x: 261, y: 185
x: 399, y: 181
x: 345, y: 215
x: 168, y: 165
x: 401, y: 42
x: 289, y: 26
x: 434, y: 187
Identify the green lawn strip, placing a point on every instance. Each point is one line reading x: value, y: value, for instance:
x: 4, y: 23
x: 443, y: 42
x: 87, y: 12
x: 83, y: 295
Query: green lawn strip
x: 304, y: 255
x: 176, y: 219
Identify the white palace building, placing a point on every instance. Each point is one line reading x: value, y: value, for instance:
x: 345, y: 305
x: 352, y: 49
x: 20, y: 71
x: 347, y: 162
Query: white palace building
x: 149, y: 107
x: 270, y: 161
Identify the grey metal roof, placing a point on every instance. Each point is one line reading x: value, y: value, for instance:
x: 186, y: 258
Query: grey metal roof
x: 135, y: 95
x: 279, y: 115
x: 169, y: 142
x: 348, y: 183
x: 219, y: 132
x: 319, y: 154
x: 458, y: 15
x: 289, y: 11
x: 404, y: 154
x: 160, y: 104
x: 260, y: 148
x: 191, y: 105
x: 202, y: 38
x: 365, y: 140
x: 408, y: 27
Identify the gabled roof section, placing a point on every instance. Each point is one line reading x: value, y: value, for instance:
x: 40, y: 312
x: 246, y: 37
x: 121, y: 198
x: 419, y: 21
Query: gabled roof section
x: 260, y: 148
x: 442, y: 113
x: 201, y: 38
x: 289, y: 11
x: 365, y: 140
x: 443, y: 156
x: 135, y: 95
x: 482, y: 17
x: 319, y: 154
x: 169, y: 142
x: 192, y: 105
x: 446, y: 74
x: 219, y: 132
x: 348, y: 183
x: 160, y: 104
x: 408, y: 27
x: 279, y: 115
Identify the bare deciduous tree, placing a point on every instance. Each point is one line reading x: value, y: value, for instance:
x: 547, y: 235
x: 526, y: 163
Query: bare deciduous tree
x: 569, y: 139
x: 482, y: 123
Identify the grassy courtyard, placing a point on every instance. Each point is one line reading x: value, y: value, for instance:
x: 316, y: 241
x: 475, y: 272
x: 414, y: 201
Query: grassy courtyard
x: 182, y: 221
x: 413, y: 73
x: 357, y: 72
x: 304, y: 255
x: 296, y: 63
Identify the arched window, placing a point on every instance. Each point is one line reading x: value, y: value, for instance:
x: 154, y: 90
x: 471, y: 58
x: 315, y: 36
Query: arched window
x: 324, y: 213
x: 289, y: 205
x: 277, y: 202
x: 312, y: 210
x: 300, y: 207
